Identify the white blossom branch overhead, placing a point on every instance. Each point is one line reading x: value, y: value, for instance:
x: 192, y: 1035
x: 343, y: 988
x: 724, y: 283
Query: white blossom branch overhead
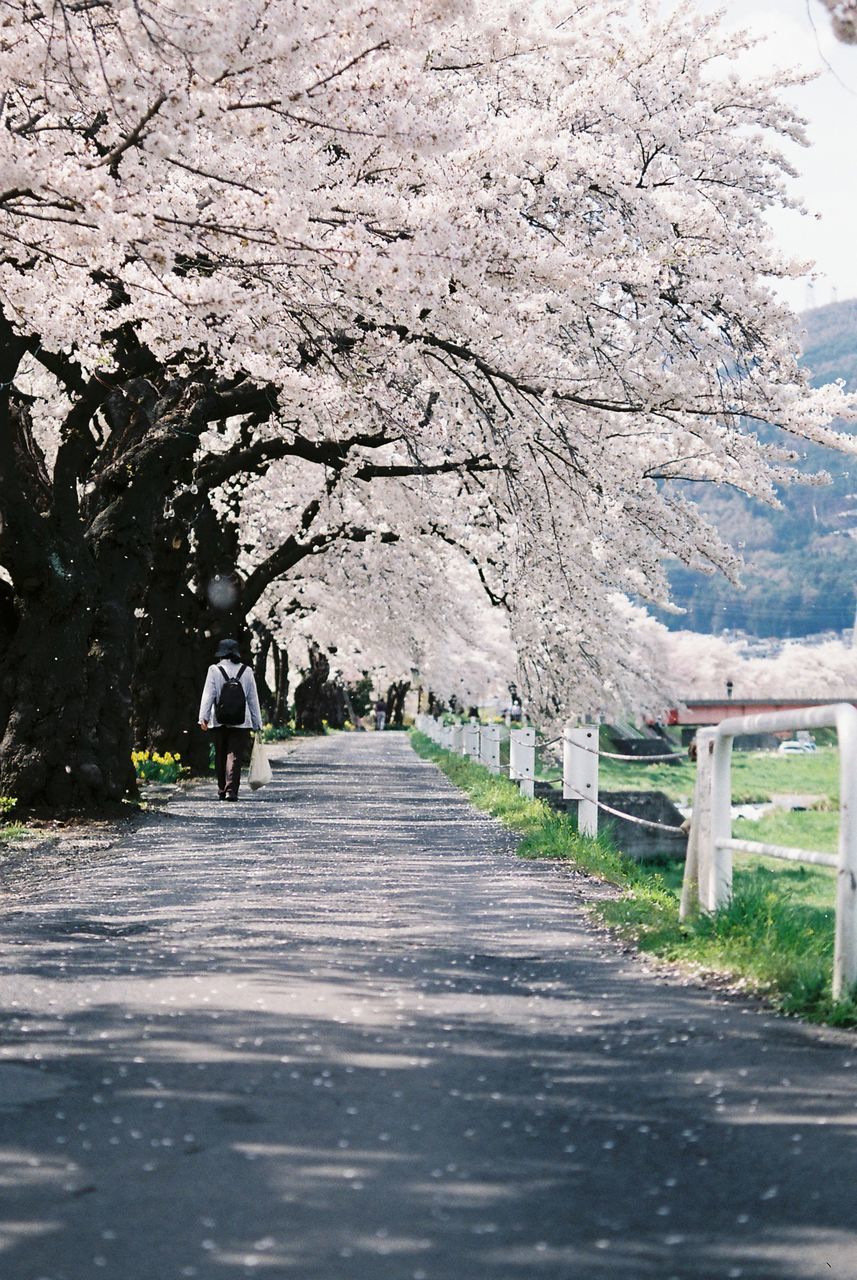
x: 436, y: 269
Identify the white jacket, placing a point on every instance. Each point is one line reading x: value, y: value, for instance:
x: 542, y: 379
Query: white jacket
x: 214, y: 682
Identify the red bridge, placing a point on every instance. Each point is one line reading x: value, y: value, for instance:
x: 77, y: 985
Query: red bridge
x: 713, y: 710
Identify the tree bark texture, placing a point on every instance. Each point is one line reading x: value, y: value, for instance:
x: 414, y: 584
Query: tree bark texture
x: 263, y: 652
x: 281, y: 683
x: 77, y: 544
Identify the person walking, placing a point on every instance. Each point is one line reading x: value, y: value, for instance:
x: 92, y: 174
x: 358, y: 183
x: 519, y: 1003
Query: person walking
x: 380, y: 714
x: 230, y: 710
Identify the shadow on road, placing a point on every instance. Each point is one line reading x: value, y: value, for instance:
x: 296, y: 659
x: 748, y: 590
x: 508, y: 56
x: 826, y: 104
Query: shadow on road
x: 358, y: 1039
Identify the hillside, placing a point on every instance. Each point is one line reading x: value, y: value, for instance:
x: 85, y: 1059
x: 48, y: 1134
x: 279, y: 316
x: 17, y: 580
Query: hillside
x: 830, y: 346
x: 801, y: 562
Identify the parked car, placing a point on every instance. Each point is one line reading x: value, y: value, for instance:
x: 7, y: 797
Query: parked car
x: 795, y: 747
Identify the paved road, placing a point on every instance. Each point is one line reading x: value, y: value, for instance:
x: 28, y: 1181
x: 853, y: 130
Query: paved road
x: 339, y: 1032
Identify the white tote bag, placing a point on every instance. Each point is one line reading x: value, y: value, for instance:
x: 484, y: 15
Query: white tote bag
x: 260, y: 770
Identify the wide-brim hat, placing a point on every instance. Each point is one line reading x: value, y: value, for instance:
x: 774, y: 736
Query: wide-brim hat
x: 226, y: 648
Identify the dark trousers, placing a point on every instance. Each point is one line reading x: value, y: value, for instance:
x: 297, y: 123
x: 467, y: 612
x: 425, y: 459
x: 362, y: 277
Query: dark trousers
x: 230, y: 748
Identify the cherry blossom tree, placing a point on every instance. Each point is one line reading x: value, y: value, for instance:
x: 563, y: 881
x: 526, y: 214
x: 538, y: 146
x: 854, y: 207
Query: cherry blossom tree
x: 519, y: 254
x: 700, y: 665
x: 389, y: 608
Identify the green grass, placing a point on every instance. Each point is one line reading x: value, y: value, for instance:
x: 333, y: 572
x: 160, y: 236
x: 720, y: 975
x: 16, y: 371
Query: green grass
x: 798, y: 829
x: 775, y: 939
x: 12, y: 831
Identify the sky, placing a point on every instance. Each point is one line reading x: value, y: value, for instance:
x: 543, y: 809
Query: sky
x: 799, y: 34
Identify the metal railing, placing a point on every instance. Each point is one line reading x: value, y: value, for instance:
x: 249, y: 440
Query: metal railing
x: 482, y: 743
x: 580, y: 753
x: 708, y: 868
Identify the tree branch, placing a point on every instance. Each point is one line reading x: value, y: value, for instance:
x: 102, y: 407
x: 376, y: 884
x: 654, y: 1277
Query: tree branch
x: 112, y: 158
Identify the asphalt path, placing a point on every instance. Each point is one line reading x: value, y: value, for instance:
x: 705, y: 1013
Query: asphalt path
x: 340, y: 1032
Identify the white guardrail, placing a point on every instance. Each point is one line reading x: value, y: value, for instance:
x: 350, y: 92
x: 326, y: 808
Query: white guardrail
x: 708, y: 869
x: 580, y: 754
x: 482, y: 743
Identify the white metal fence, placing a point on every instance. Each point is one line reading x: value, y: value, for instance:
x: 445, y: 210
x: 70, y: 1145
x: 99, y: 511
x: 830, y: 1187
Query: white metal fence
x: 482, y: 742
x: 708, y: 868
x: 580, y: 755
x: 580, y: 774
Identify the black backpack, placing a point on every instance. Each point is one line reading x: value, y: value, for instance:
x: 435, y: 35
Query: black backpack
x: 231, y: 706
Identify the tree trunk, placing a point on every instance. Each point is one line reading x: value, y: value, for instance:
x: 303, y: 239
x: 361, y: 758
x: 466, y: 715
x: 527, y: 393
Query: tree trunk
x: 172, y: 659
x: 50, y: 752
x: 79, y: 573
x: 65, y: 728
x: 281, y: 673
x: 319, y: 700
x: 175, y: 641
x: 396, y: 702
x: 310, y: 693
x: 50, y: 741
x: 267, y: 695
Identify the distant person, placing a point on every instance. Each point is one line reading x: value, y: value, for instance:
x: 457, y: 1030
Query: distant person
x: 380, y: 714
x: 230, y: 709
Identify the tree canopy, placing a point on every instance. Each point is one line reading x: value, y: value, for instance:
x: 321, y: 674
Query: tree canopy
x: 310, y: 277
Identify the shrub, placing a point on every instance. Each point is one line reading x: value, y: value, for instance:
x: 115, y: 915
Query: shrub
x: 151, y: 766
x: 276, y: 732
x: 7, y: 804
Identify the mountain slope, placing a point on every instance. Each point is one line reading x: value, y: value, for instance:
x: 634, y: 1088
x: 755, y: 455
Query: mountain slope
x: 801, y: 562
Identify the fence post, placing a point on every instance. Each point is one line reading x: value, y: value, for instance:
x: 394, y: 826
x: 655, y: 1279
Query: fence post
x: 457, y: 739
x: 522, y: 759
x: 845, y: 946
x: 471, y: 740
x: 514, y: 768
x: 720, y: 860
x: 580, y: 774
x: 526, y: 760
x: 501, y: 734
x: 484, y: 738
x: 489, y: 747
x: 697, y: 875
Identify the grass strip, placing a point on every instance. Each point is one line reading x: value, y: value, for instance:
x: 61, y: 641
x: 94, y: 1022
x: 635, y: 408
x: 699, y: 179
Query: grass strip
x: 774, y: 940
x: 13, y: 831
